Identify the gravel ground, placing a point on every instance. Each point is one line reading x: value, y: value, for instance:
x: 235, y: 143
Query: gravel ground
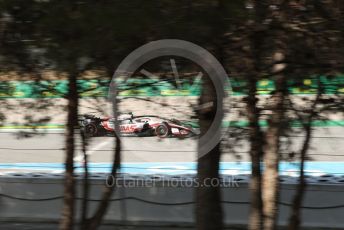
x: 21, y: 111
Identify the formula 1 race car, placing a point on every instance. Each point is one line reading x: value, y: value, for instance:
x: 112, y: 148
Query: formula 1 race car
x: 130, y: 125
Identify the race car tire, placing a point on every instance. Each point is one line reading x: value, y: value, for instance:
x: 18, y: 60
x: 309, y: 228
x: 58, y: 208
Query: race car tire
x: 90, y: 130
x: 162, y: 131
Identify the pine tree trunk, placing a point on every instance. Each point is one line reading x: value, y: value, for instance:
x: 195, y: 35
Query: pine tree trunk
x: 256, y: 218
x: 295, y: 218
x: 86, y: 185
x: 256, y: 151
x: 208, y: 198
x: 272, y: 156
x: 208, y: 208
x: 67, y: 220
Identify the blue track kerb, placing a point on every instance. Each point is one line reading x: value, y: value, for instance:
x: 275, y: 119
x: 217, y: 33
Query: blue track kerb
x: 175, y: 168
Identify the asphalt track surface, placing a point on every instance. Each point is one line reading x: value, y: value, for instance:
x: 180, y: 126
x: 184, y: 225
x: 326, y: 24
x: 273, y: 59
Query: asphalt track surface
x: 327, y: 145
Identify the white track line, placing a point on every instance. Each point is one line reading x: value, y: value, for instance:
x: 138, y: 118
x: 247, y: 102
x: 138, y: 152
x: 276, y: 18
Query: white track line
x: 80, y: 157
x: 58, y: 131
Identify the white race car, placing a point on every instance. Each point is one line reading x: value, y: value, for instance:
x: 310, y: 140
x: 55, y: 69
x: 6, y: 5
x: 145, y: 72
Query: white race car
x: 130, y: 125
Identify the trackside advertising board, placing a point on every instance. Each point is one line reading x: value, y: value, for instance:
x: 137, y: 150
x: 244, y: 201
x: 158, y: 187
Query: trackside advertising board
x: 151, y: 87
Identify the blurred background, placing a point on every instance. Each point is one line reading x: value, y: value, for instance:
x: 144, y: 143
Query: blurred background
x: 283, y: 116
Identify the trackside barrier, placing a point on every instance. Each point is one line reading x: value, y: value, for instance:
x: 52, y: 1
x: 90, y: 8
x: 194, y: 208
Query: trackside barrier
x: 148, y: 87
x: 165, y: 199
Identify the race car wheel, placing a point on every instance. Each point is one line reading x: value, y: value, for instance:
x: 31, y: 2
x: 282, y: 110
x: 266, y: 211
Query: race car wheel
x: 90, y: 130
x: 162, y: 131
